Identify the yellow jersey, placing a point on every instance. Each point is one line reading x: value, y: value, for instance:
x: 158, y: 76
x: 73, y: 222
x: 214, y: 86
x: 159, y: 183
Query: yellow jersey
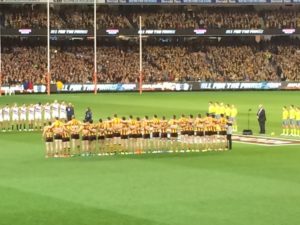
x: 234, y: 112
x: 285, y: 114
x: 227, y: 111
x: 298, y: 115
x: 292, y: 114
x: 211, y: 109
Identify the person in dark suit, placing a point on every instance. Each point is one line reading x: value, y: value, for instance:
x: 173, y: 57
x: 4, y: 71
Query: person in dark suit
x: 261, y: 117
x: 70, y: 111
x: 88, y: 115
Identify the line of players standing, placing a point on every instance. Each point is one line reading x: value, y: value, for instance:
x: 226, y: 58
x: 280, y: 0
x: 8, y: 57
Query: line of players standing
x: 32, y: 117
x: 135, y: 135
x: 291, y: 121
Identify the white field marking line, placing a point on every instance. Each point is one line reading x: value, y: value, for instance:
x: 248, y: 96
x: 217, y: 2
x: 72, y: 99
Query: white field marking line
x: 268, y: 137
x: 267, y: 145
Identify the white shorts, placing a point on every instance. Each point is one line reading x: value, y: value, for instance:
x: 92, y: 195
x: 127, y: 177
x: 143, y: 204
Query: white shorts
x: 47, y: 116
x: 30, y: 117
x: 38, y: 117
x: 6, y: 118
x: 15, y: 118
x: 55, y: 114
x: 1, y: 119
x: 22, y: 117
x: 63, y: 116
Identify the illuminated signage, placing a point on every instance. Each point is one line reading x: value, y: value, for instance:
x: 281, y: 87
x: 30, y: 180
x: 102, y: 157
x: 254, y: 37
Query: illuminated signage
x: 112, y: 31
x: 246, y: 31
x: 24, y: 31
x: 200, y: 31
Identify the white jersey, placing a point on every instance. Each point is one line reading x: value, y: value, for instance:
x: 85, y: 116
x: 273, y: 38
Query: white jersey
x: 1, y: 115
x: 38, y: 112
x: 6, y: 113
x: 55, y: 110
x: 63, y: 112
x: 15, y: 113
x: 23, y: 112
x: 31, y: 113
x: 47, y: 112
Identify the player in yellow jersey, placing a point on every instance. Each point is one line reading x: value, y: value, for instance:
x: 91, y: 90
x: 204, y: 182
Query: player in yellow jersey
x: 75, y: 130
x: 218, y: 110
x: 199, y: 127
x: 92, y: 138
x: 58, y: 128
x: 85, y: 138
x: 232, y: 117
x: 298, y: 120
x: 155, y: 124
x: 183, y: 126
x: 101, y: 136
x: 163, y: 134
x: 146, y: 129
x: 116, y: 123
x: 222, y: 133
x: 132, y: 133
x: 48, y: 137
x: 66, y: 140
x: 285, y: 121
x: 292, y: 120
x: 108, y: 135
x: 173, y: 125
x: 139, y: 136
x: 211, y: 108
x: 124, y: 136
x: 227, y: 110
x: 191, y: 132
x: 222, y: 108
x: 208, y: 131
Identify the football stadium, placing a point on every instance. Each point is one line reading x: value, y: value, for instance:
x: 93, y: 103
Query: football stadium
x: 159, y: 112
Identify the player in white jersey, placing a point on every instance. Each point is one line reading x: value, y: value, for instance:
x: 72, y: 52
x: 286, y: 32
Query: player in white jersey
x: 1, y: 119
x: 55, y: 110
x: 47, y: 113
x: 31, y: 110
x: 63, y: 111
x: 23, y: 117
x: 15, y: 117
x: 38, y: 116
x: 6, y: 117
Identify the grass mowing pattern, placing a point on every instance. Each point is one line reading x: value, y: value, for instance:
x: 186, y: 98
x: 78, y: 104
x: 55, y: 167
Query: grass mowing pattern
x: 250, y: 185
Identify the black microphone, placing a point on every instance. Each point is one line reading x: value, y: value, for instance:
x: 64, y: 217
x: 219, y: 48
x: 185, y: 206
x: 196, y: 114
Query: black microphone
x: 249, y: 110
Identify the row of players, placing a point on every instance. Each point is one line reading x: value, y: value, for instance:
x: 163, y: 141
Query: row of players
x: 135, y: 135
x: 219, y: 108
x: 33, y: 116
x: 291, y: 120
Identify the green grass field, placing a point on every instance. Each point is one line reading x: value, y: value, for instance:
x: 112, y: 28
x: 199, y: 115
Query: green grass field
x: 251, y: 185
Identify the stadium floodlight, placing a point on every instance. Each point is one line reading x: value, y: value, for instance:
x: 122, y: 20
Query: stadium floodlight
x: 48, y: 48
x: 141, y: 54
x: 0, y: 61
x: 95, y: 47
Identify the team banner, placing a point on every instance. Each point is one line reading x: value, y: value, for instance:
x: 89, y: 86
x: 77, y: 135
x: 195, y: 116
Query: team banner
x: 149, y: 32
x: 159, y: 86
x: 128, y: 2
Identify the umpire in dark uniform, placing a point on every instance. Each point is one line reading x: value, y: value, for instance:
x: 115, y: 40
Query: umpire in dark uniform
x: 88, y: 115
x: 261, y: 117
x: 229, y: 133
x: 70, y: 111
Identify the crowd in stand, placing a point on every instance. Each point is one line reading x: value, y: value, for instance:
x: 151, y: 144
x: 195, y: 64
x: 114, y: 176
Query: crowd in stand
x: 180, y: 17
x: 185, y: 62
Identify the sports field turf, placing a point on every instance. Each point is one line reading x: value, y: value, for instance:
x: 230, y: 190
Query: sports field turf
x: 251, y: 185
